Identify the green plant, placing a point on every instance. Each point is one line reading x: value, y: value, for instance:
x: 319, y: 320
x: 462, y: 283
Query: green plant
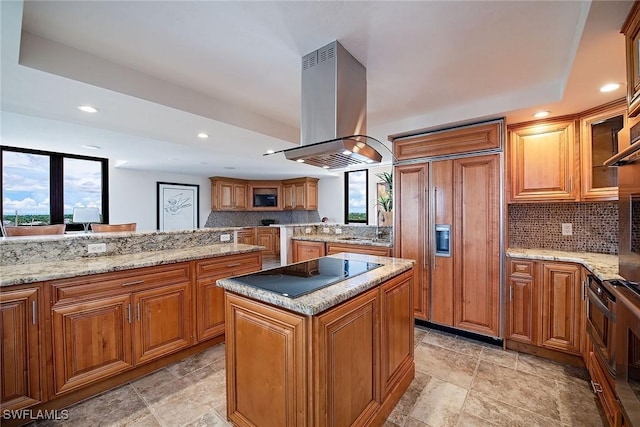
x: 385, y: 201
x: 387, y: 177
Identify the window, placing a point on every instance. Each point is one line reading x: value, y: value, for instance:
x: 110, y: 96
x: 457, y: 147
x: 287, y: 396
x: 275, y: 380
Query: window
x: 40, y: 187
x: 356, y: 185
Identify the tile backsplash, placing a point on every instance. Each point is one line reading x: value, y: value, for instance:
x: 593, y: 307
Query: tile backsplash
x: 539, y: 225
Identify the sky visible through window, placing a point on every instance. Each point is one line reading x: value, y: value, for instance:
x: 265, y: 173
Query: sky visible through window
x: 26, y: 184
x: 357, y: 195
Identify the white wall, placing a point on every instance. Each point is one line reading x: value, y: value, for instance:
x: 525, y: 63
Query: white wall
x: 331, y: 195
x: 133, y: 196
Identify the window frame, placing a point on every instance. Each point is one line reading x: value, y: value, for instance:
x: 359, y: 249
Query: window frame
x: 56, y: 183
x: 346, y: 197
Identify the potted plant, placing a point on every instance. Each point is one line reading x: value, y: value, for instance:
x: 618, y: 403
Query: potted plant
x: 385, y: 199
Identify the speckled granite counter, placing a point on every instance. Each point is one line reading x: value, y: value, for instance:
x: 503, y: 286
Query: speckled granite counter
x: 323, y: 299
x: 348, y: 240
x: 37, y: 272
x: 604, y: 267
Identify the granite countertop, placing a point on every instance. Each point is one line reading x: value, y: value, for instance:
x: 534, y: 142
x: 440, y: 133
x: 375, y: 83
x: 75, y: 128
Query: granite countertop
x: 350, y: 240
x: 603, y: 266
x: 325, y: 298
x: 37, y: 272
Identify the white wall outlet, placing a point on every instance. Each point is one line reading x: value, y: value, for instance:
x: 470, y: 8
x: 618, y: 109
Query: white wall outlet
x: 307, y: 230
x: 225, y: 237
x: 567, y: 229
x: 325, y: 230
x: 97, y: 248
x: 338, y: 230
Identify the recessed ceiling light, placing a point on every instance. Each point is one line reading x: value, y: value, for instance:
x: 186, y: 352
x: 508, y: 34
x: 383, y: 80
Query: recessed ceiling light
x: 88, y: 109
x: 325, y: 167
x: 541, y: 114
x: 90, y: 147
x: 300, y: 160
x: 610, y: 87
x: 270, y: 151
x: 203, y: 135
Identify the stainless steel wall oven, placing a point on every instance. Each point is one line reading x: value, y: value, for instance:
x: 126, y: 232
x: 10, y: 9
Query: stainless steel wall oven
x: 601, y: 319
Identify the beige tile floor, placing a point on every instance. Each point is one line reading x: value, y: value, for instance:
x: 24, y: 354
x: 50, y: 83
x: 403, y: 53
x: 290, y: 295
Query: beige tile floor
x: 458, y: 382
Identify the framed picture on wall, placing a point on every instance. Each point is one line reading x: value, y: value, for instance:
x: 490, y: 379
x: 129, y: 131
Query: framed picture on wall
x: 178, y: 206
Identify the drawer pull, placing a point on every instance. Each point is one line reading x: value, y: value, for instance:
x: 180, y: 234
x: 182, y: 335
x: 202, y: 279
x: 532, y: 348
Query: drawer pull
x: 33, y: 312
x: 235, y: 264
x: 129, y: 312
x: 138, y: 311
x: 135, y: 282
x: 597, y: 388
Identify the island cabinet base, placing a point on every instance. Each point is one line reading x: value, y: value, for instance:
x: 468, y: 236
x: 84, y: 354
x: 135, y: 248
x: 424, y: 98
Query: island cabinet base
x: 346, y: 366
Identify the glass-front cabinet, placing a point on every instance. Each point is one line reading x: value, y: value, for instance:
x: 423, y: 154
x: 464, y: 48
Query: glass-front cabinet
x: 598, y: 142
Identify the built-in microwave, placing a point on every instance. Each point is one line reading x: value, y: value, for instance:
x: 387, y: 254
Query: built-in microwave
x: 265, y: 200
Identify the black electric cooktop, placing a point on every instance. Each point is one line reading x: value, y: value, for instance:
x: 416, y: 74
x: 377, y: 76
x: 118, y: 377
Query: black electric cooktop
x: 298, y: 279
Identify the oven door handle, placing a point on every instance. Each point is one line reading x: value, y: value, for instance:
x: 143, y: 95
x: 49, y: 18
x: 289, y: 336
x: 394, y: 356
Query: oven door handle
x: 593, y: 299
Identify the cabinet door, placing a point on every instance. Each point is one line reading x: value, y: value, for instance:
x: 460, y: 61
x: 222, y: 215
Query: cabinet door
x: 348, y: 362
x: 163, y: 321
x: 226, y: 195
x: 91, y: 341
x: 561, y: 315
x: 303, y: 251
x: 311, y: 199
x: 288, y: 196
x: 20, y: 347
x: 476, y: 233
x: 396, y: 313
x: 585, y: 340
x: 267, y: 239
x: 240, y: 196
x: 542, y: 163
x: 410, y: 239
x: 521, y: 319
x: 267, y: 349
x: 299, y: 196
x: 334, y: 248
x: 598, y: 142
x: 210, y: 310
x: 442, y: 293
x: 247, y: 236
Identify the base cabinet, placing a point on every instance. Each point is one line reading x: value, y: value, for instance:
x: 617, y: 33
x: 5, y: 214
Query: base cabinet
x: 603, y: 390
x: 347, y: 366
x: 544, y: 305
x: 22, y: 363
x: 304, y: 251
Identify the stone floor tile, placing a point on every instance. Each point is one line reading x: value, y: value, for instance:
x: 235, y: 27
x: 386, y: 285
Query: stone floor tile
x: 519, y: 389
x: 578, y: 405
x: 197, y: 361
x: 409, y: 399
x: 153, y: 380
x: 548, y: 368
x: 418, y: 335
x: 468, y: 420
x: 498, y: 356
x: 210, y: 419
x: 447, y: 365
x: 439, y: 404
x: 494, y: 412
x: 412, y: 422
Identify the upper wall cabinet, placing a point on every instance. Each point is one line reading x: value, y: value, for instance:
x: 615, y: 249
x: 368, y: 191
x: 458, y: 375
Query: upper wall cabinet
x: 300, y: 194
x: 228, y: 194
x: 631, y: 30
x: 598, y: 141
x: 542, y: 162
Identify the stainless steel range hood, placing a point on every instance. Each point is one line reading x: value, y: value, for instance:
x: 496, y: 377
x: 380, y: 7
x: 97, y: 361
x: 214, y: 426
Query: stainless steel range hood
x: 334, y: 111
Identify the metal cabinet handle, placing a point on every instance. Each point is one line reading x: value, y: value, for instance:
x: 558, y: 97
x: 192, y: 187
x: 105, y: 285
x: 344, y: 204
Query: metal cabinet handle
x: 597, y: 388
x: 510, y: 293
x: 237, y: 264
x: 138, y: 312
x: 570, y: 184
x: 135, y: 282
x: 584, y: 290
x: 129, y: 312
x: 33, y: 312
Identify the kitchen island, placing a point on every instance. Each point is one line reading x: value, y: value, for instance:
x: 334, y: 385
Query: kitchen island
x: 338, y: 355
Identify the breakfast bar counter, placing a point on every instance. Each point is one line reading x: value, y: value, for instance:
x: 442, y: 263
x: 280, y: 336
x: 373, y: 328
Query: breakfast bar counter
x: 339, y: 355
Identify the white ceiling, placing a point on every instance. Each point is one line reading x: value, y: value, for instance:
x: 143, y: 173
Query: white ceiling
x: 162, y: 71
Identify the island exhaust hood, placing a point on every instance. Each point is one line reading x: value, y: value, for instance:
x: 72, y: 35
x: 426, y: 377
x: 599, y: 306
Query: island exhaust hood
x: 334, y: 111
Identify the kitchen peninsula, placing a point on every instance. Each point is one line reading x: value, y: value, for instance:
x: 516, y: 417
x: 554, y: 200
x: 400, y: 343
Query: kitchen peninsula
x: 341, y: 354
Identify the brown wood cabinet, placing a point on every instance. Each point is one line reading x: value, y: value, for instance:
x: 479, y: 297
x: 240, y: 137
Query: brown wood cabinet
x: 410, y: 229
x: 543, y: 163
x: 599, y: 129
x: 209, y: 297
x: 228, y: 194
x: 21, y: 343
x: 269, y: 237
x: 561, y: 293
x: 300, y: 194
x: 631, y: 31
x: 247, y: 236
x: 334, y: 248
x: 257, y: 188
x: 346, y: 366
x: 521, y: 311
x: 304, y: 250
x: 545, y: 306
x: 605, y: 393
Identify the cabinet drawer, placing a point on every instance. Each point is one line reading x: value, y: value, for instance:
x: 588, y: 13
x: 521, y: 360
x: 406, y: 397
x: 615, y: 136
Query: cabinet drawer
x: 334, y: 248
x: 117, y: 282
x: 228, y: 265
x: 603, y: 390
x: 522, y: 268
